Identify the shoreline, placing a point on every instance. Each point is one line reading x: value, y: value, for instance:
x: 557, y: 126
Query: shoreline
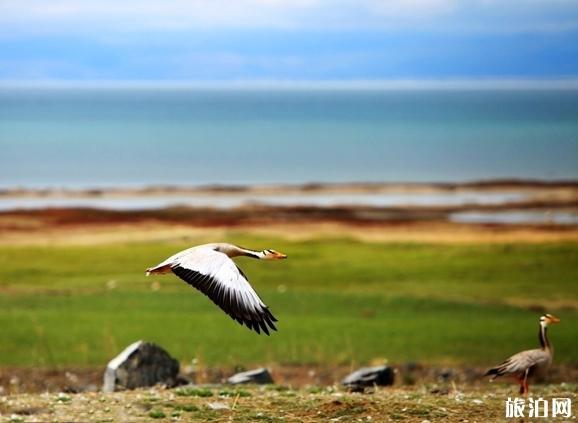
x: 522, y: 211
x: 312, y: 188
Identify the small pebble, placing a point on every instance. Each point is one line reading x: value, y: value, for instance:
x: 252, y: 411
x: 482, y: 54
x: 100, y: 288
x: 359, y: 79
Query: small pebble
x: 218, y: 406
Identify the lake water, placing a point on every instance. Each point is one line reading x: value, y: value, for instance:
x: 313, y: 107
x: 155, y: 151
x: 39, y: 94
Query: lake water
x: 237, y: 200
x: 80, y: 137
x: 517, y: 217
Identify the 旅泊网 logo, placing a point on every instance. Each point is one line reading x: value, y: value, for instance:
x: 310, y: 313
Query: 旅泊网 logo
x: 538, y: 408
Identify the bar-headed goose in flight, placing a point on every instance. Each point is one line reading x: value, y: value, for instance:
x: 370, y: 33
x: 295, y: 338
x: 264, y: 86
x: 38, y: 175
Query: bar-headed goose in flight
x: 209, y: 268
x: 529, y: 362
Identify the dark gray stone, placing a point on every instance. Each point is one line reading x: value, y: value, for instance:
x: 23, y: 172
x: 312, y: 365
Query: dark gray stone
x: 258, y: 376
x: 446, y: 375
x: 370, y: 376
x: 141, y: 364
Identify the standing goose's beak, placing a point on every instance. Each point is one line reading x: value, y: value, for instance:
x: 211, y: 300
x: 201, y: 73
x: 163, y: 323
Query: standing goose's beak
x: 553, y: 319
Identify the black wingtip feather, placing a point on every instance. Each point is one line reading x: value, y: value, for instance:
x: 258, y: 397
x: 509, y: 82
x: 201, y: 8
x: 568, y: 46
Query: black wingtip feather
x: 269, y: 314
x: 260, y: 319
x: 263, y: 326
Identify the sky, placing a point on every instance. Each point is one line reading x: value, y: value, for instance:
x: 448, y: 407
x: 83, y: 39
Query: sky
x: 288, y: 40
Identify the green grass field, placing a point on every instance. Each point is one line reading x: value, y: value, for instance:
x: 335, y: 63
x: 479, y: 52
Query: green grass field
x: 337, y: 301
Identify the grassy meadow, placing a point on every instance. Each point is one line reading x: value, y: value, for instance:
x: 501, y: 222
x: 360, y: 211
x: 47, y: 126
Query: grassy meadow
x: 338, y: 301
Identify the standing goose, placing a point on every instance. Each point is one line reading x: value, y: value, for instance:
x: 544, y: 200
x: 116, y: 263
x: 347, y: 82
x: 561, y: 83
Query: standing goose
x: 209, y: 269
x: 529, y: 362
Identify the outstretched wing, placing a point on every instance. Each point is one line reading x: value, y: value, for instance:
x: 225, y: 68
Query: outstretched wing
x: 217, y: 276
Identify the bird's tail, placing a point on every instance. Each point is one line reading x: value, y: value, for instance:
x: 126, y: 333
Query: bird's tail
x: 494, y: 372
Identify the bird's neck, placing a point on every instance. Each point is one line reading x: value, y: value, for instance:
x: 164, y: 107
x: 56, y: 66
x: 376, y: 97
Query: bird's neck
x: 260, y: 255
x: 543, y: 336
x: 240, y: 251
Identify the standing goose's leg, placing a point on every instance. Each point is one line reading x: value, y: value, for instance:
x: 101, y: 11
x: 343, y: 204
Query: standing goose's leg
x: 526, y: 389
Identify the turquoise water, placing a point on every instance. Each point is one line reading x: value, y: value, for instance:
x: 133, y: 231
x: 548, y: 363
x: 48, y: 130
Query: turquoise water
x: 134, y: 137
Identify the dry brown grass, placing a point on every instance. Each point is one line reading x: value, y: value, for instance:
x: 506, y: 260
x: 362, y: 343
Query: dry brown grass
x: 274, y: 403
x: 32, y: 231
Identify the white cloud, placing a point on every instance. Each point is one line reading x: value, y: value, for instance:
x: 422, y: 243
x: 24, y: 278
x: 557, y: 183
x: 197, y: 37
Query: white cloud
x: 149, y: 13
x: 413, y: 8
x: 175, y: 15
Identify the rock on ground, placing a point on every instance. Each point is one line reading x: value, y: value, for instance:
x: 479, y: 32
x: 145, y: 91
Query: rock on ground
x: 258, y: 376
x: 141, y: 364
x: 370, y: 376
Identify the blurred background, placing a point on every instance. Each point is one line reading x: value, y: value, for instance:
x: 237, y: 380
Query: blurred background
x: 416, y: 160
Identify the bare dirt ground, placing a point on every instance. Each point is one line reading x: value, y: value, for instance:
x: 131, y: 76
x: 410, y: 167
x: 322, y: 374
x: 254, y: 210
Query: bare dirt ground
x: 19, y: 380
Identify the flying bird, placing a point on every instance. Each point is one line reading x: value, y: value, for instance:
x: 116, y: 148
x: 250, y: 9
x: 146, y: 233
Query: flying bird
x: 209, y: 269
x: 528, y: 363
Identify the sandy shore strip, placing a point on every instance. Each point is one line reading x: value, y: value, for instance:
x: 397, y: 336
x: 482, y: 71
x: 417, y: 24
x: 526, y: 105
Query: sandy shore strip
x: 559, y: 189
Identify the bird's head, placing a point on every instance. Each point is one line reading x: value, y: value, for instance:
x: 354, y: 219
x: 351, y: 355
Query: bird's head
x: 548, y: 319
x: 273, y: 255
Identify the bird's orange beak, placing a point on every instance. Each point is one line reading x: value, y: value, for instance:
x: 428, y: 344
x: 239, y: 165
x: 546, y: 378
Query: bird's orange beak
x: 276, y: 255
x: 554, y: 319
